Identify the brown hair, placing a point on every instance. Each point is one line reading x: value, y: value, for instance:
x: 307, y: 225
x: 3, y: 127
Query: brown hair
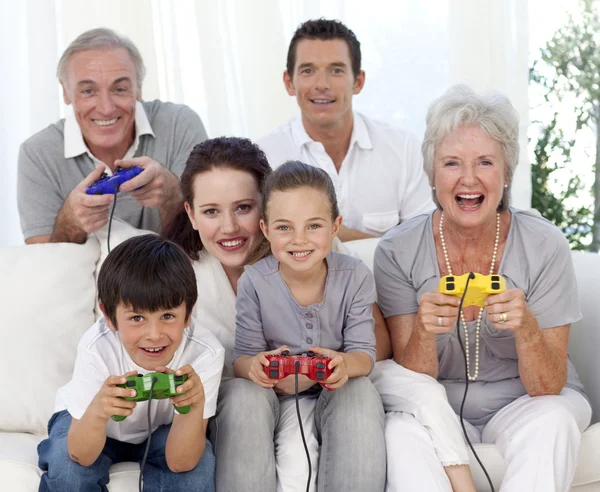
x: 324, y: 30
x: 218, y: 153
x: 291, y: 176
x: 148, y: 273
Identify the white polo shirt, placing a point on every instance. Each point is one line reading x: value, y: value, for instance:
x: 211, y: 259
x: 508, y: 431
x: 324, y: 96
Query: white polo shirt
x: 101, y: 354
x: 381, y: 180
x: 75, y: 144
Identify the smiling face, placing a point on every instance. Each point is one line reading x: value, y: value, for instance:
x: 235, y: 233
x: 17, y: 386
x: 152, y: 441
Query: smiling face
x: 150, y: 338
x: 323, y: 83
x: 226, y: 213
x: 469, y: 176
x: 300, y: 229
x: 102, y: 86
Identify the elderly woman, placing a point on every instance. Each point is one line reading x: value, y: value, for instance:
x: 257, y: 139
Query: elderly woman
x: 524, y: 395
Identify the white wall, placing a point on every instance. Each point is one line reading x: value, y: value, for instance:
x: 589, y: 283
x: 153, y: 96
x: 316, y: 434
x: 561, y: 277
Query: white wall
x: 28, y: 94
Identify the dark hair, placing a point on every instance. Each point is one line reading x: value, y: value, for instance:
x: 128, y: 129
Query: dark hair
x: 324, y: 30
x: 217, y: 153
x: 148, y: 273
x: 290, y: 176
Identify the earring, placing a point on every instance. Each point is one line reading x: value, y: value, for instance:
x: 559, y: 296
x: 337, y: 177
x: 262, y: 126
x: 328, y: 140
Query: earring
x: 433, y: 188
x: 505, y: 186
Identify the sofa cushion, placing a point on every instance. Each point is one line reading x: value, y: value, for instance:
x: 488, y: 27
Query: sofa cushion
x: 584, y: 338
x: 47, y: 302
x: 120, y: 231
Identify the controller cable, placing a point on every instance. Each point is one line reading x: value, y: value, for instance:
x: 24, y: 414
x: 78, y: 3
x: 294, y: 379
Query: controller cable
x: 112, y: 211
x: 462, y: 405
x: 154, y: 381
x: 296, y: 369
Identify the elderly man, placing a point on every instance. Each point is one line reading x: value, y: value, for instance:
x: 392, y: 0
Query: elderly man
x: 101, y: 74
x: 376, y: 168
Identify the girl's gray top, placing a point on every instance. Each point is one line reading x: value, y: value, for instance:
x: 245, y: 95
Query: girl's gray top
x: 536, y: 259
x: 268, y: 316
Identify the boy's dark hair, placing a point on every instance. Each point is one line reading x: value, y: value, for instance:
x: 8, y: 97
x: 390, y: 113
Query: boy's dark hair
x: 290, y: 176
x: 148, y: 273
x: 235, y: 153
x: 325, y: 30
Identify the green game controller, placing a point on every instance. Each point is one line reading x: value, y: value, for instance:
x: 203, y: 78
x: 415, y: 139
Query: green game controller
x: 164, y: 387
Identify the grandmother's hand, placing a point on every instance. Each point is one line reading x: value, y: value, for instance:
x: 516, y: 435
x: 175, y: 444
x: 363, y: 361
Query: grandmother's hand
x: 509, y: 311
x: 437, y: 312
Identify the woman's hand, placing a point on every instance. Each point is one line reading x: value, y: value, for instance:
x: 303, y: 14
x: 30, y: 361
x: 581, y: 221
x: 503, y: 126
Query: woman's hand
x: 509, y: 311
x: 437, y: 312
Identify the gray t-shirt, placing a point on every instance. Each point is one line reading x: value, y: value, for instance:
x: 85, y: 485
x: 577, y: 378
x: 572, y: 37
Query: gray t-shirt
x: 536, y: 260
x: 46, y: 177
x: 268, y: 316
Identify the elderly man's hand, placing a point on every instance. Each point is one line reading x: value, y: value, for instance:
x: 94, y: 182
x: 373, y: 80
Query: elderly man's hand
x: 84, y: 212
x: 438, y: 313
x: 154, y: 187
x: 509, y: 311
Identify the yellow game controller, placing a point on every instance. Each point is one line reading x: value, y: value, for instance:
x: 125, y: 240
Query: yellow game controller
x: 480, y: 287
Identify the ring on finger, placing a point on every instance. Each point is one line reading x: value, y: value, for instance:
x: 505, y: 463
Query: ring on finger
x: 440, y: 321
x: 503, y: 318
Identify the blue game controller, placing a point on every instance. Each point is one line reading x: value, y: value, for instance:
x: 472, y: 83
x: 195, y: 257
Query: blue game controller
x: 111, y: 184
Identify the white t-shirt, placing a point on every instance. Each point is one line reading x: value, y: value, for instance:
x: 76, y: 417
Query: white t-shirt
x: 381, y: 180
x: 100, y: 354
x: 215, y: 307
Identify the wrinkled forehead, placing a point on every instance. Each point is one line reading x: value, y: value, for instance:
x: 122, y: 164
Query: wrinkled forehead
x: 101, y: 66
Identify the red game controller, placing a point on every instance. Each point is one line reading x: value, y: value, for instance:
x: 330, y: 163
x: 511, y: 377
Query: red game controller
x: 312, y: 366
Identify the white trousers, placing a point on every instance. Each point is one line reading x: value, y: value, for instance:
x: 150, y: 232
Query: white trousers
x: 539, y: 437
x: 290, y: 456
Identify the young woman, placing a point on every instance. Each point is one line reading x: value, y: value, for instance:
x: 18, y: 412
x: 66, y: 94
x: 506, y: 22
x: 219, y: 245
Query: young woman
x: 219, y: 228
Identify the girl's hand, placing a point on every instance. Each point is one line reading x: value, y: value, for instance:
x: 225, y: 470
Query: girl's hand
x: 437, y: 312
x: 339, y: 376
x: 509, y: 311
x: 256, y: 372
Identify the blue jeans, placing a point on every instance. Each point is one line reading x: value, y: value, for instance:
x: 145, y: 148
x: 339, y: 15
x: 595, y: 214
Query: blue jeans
x: 350, y: 428
x: 65, y: 475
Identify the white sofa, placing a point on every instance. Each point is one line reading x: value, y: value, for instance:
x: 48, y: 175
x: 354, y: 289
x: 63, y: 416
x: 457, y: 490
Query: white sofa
x: 47, y: 300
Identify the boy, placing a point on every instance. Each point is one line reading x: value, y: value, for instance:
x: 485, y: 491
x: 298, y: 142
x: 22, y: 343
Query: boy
x: 147, y: 289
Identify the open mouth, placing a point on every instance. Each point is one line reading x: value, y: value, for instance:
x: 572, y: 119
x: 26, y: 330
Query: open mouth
x: 322, y: 101
x: 471, y: 201
x: 300, y: 255
x: 233, y: 244
x: 106, y: 122
x: 153, y: 351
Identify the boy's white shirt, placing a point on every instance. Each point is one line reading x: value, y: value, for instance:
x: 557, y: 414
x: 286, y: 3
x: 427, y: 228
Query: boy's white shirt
x: 101, y: 354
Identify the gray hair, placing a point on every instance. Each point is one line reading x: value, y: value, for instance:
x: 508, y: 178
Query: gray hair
x: 97, y: 39
x: 459, y: 107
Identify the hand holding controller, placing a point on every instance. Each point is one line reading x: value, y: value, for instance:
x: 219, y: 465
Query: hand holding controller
x: 164, y: 387
x: 111, y: 184
x: 312, y: 366
x: 480, y: 287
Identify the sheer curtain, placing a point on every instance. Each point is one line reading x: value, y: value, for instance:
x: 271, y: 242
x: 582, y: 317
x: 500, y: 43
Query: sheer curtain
x: 225, y: 59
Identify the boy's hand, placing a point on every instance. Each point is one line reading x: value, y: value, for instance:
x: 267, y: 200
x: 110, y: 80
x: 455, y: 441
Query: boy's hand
x: 110, y: 400
x: 193, y: 388
x: 258, y: 363
x: 339, y: 376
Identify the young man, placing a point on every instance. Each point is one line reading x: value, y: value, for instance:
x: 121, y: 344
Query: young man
x: 101, y: 74
x: 377, y: 169
x: 147, y: 289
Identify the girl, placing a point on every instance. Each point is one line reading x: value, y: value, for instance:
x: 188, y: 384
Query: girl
x: 304, y: 297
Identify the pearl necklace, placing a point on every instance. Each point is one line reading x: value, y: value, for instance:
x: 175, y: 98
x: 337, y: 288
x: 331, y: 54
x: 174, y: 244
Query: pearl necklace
x: 472, y: 377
